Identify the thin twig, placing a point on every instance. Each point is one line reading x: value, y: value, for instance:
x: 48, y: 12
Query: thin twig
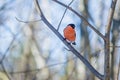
x: 66, y: 49
x: 80, y: 16
x: 5, y: 53
x: 26, y: 21
x: 64, y: 15
x: 110, y: 17
x: 74, y: 51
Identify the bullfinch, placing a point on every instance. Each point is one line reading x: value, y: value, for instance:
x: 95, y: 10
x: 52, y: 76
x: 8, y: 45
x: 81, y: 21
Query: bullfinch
x: 70, y: 34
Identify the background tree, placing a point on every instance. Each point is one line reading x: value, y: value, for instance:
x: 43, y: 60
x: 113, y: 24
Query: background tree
x: 30, y: 50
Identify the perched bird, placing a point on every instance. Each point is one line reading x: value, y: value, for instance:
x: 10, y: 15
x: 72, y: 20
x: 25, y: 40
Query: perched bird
x: 70, y: 34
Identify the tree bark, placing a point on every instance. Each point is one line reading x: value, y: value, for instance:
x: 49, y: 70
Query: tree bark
x: 107, y: 41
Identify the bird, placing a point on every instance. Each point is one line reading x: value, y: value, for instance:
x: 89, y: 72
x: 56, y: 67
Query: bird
x: 70, y: 33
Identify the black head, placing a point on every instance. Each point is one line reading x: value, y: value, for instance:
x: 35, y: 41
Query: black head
x: 72, y: 25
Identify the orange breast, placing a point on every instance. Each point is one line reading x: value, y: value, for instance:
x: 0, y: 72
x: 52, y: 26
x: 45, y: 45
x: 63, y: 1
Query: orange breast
x: 69, y: 33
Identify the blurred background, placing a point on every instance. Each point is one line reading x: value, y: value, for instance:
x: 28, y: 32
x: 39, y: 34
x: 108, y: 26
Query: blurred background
x: 31, y: 51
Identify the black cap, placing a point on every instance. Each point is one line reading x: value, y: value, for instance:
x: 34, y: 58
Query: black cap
x: 72, y: 25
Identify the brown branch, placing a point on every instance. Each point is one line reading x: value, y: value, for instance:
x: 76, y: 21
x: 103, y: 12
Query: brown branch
x: 110, y: 17
x: 75, y: 52
x: 107, y: 41
x: 81, y: 17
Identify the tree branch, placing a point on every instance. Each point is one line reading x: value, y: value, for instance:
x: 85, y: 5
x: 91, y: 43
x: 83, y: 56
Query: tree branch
x: 75, y: 52
x: 107, y: 41
x: 26, y: 21
x: 110, y: 17
x: 6, y: 52
x: 64, y: 15
x: 81, y: 17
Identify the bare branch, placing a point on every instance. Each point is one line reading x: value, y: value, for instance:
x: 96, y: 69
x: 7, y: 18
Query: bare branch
x: 110, y: 17
x: 80, y: 16
x: 64, y: 15
x: 75, y: 52
x: 5, y: 53
x: 26, y: 21
x: 107, y: 41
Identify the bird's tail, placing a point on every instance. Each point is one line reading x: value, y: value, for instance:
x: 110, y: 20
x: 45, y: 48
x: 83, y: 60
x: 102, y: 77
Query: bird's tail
x: 74, y: 43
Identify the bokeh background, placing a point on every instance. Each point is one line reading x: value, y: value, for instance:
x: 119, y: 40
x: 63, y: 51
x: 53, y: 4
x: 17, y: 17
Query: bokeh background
x: 31, y: 51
